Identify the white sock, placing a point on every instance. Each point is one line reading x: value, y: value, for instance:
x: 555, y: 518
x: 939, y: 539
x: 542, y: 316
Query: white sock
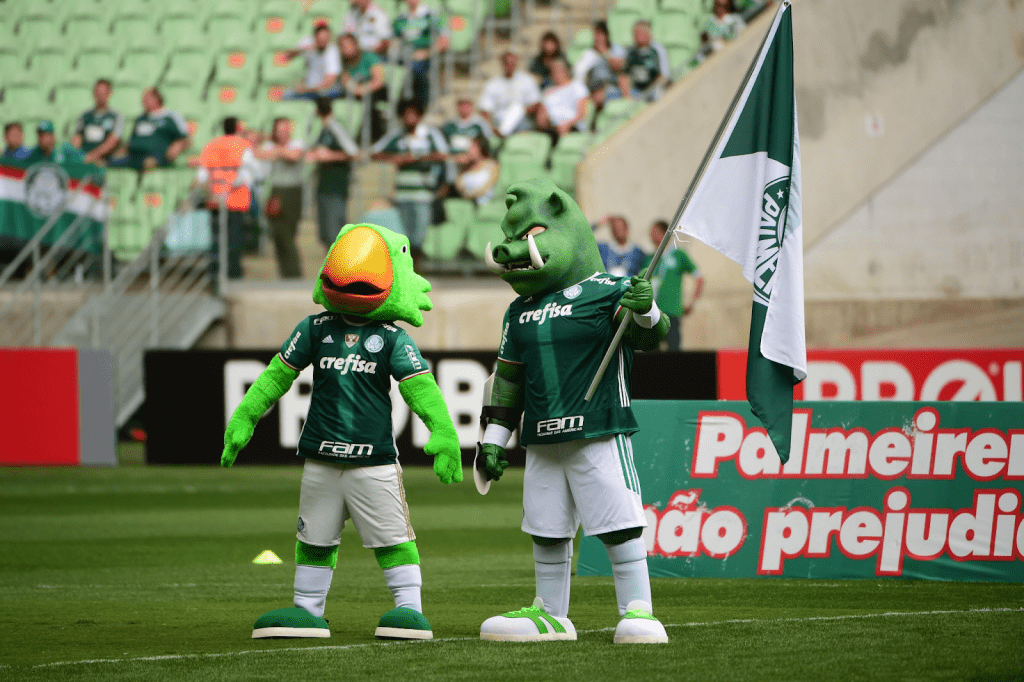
x: 405, y: 582
x: 629, y: 566
x: 552, y: 566
x: 311, y: 586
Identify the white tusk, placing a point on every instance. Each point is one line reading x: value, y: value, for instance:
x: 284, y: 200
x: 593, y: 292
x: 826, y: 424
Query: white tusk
x: 535, y: 258
x: 491, y: 263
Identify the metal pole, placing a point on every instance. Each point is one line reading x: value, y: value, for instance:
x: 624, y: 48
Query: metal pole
x: 705, y: 162
x: 222, y: 247
x: 154, y: 284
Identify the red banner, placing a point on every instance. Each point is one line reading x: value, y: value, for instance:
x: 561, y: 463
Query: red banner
x: 967, y: 374
x: 39, y: 406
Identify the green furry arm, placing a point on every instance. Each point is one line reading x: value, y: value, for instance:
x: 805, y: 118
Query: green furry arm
x: 424, y: 398
x: 271, y: 384
x: 639, y: 298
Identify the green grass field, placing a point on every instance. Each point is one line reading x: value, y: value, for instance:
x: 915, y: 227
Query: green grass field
x: 146, y: 573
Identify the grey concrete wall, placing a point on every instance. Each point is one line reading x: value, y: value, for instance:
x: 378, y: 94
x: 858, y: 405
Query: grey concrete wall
x: 96, y: 428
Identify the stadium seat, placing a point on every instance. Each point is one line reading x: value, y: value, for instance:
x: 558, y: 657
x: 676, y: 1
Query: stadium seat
x: 45, y: 67
x: 445, y: 241
x: 528, y: 146
x: 92, y: 65
x: 80, y: 26
x: 486, y: 227
x: 158, y: 193
x: 584, y: 37
x: 42, y: 33
x: 566, y: 156
x: 645, y: 8
x: 73, y: 98
x: 279, y: 17
x: 220, y: 27
x: 134, y: 31
x: 459, y: 211
x: 10, y: 63
x: 192, y: 9
x: 693, y: 7
x: 188, y: 68
x: 27, y: 100
x: 676, y: 29
x: 183, y: 33
x: 620, y: 25
x: 276, y: 70
x: 144, y: 66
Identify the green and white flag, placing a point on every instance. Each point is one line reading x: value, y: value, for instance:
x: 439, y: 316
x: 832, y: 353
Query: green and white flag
x: 747, y: 207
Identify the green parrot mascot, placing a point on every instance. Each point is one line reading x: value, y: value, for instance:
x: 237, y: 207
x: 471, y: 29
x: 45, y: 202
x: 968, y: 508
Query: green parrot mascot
x: 351, y: 466
x: 579, y: 460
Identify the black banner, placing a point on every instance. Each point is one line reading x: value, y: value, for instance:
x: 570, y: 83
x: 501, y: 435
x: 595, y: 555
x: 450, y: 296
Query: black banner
x: 191, y: 394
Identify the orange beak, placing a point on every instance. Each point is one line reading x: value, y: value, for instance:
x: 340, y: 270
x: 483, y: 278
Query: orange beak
x: 357, y: 277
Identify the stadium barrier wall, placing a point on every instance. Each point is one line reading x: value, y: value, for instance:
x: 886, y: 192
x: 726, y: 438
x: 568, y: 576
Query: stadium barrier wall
x: 925, y: 490
x: 57, y: 407
x: 190, y: 395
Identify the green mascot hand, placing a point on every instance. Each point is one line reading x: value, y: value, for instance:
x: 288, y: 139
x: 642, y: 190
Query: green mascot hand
x: 639, y: 297
x: 494, y: 460
x: 423, y: 397
x: 268, y: 388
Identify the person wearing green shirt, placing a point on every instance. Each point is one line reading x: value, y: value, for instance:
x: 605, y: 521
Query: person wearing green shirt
x: 47, y: 149
x: 668, y: 284
x: 423, y: 31
x: 158, y: 137
x: 98, y: 131
x: 332, y: 152
x: 362, y: 75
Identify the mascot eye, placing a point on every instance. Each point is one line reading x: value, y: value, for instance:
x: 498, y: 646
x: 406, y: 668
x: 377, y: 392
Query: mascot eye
x: 535, y: 230
x: 405, y: 248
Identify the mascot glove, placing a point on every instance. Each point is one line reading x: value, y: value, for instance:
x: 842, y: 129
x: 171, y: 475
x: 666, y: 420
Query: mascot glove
x: 444, y: 446
x: 494, y: 460
x: 236, y: 437
x: 639, y: 297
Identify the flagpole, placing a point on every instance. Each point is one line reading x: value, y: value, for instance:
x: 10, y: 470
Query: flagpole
x: 701, y: 170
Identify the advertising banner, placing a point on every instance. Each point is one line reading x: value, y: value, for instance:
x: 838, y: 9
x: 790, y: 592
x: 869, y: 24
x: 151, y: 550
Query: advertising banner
x: 190, y: 395
x: 893, y: 374
x: 872, y: 489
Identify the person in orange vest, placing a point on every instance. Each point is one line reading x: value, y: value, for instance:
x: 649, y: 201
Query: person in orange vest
x: 221, y: 170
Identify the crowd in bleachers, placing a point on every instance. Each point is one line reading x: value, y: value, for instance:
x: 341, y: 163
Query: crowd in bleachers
x: 97, y: 74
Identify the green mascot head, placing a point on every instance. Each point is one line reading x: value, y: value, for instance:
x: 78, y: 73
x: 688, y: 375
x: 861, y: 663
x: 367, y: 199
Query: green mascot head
x: 548, y: 245
x: 368, y: 272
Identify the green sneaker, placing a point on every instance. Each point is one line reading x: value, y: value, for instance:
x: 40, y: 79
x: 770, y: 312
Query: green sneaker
x: 638, y: 626
x: 403, y: 623
x: 532, y: 624
x: 290, y: 622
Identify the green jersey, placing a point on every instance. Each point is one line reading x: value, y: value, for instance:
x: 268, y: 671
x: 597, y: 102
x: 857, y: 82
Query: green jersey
x: 559, y: 339
x: 460, y: 132
x: 360, y: 72
x: 334, y: 175
x: 416, y: 181
x: 97, y: 126
x: 154, y: 132
x: 349, y: 419
x: 668, y: 279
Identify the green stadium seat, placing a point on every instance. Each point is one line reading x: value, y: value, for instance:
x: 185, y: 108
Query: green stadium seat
x: 584, y: 37
x: 183, y: 33
x: 300, y: 112
x: 566, y: 156
x: 46, y: 67
x: 616, y: 113
x: 192, y: 9
x: 158, y: 192
x: 692, y: 7
x: 279, y: 20
x: 620, y: 25
x: 645, y: 8
x: 145, y: 66
x: 41, y: 34
x: 676, y: 29
x: 445, y: 241
x: 10, y: 63
x: 528, y: 146
x: 276, y: 70
x: 73, y: 98
x: 459, y: 211
x: 93, y: 65
x: 27, y: 100
x: 680, y: 59
x: 350, y: 115
x: 486, y: 227
x: 219, y: 28
x: 93, y: 41
x: 134, y: 31
x: 188, y: 68
x: 78, y: 27
x: 87, y: 12
x: 128, y: 100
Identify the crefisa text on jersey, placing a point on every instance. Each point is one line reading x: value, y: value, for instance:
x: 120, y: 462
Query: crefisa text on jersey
x: 354, y: 363
x: 548, y: 311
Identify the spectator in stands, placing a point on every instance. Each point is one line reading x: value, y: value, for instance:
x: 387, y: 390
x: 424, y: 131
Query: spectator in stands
x: 423, y: 31
x: 46, y: 148
x: 621, y: 258
x: 14, y: 141
x: 98, y: 131
x: 461, y: 131
x: 284, y: 206
x: 507, y: 100
x: 667, y: 279
x: 157, y: 138
x: 599, y: 66
x: 220, y: 164
x: 362, y: 75
x: 382, y: 212
x: 646, y: 72
x: 332, y: 153
x: 563, y: 107
x: 550, y: 51
x: 323, y: 65
x: 419, y: 152
x: 478, y: 172
x: 370, y: 25
x: 721, y: 26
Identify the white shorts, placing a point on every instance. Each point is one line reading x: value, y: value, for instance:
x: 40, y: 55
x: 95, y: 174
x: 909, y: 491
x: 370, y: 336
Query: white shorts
x: 592, y: 480
x: 373, y: 497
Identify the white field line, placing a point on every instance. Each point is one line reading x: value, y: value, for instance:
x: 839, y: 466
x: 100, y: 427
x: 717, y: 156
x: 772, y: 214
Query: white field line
x: 339, y: 647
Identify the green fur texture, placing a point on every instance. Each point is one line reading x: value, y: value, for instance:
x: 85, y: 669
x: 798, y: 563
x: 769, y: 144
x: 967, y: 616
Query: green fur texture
x: 567, y: 243
x: 397, y: 555
x: 268, y: 388
x: 408, y: 298
x: 311, y: 555
x: 424, y: 398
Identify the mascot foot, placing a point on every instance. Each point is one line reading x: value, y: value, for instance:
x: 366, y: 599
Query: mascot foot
x: 532, y: 624
x: 638, y: 626
x: 403, y: 623
x: 290, y: 622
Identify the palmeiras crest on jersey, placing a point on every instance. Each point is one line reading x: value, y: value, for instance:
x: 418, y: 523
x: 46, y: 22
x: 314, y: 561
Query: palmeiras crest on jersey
x: 774, y: 205
x: 46, y: 186
x: 374, y: 343
x: 573, y: 292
